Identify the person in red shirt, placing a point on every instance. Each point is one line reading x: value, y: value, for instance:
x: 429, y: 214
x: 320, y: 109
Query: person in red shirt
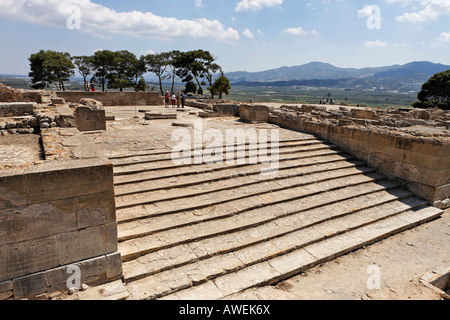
x: 167, y: 97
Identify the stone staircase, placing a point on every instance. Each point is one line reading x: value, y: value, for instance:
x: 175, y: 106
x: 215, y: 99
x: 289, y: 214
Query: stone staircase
x: 211, y: 230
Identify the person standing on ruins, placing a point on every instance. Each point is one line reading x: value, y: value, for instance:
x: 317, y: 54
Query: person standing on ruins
x: 167, y: 97
x: 174, y: 100
x: 92, y: 86
x: 178, y: 100
x: 183, y: 98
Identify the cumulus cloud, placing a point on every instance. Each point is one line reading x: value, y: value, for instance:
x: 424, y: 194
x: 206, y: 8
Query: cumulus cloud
x: 101, y: 21
x: 248, y: 34
x: 428, y: 10
x: 298, y: 31
x: 254, y: 5
x: 375, y: 44
x: 444, y: 37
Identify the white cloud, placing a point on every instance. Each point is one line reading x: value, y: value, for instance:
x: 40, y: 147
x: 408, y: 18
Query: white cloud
x: 367, y: 11
x: 199, y: 3
x: 248, y: 34
x: 254, y: 5
x: 104, y: 22
x: 444, y: 37
x: 428, y: 10
x: 298, y: 31
x: 375, y: 44
x: 149, y: 51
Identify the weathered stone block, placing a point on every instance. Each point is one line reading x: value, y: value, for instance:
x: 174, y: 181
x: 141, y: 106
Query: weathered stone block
x: 87, y: 243
x: 21, y: 258
x: 94, y: 271
x: 228, y: 110
x: 56, y: 101
x: 95, y: 209
x: 159, y: 116
x: 69, y: 181
x: 12, y: 191
x: 37, y: 220
x: 90, y: 119
x: 29, y: 286
x: 254, y: 113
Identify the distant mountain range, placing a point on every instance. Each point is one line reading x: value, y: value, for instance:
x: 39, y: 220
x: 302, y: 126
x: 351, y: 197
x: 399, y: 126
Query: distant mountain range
x: 409, y: 76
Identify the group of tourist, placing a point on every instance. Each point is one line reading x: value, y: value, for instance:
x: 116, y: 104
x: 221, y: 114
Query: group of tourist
x: 327, y: 101
x: 175, y: 100
x: 89, y: 86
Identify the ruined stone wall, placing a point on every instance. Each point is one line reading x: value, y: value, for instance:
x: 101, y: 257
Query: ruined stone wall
x: 57, y: 214
x: 420, y: 157
x: 16, y: 109
x: 114, y: 98
x: 9, y: 94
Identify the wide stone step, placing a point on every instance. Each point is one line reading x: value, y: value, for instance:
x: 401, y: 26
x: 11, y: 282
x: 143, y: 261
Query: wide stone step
x: 284, y: 230
x: 175, y: 182
x: 258, y: 194
x: 208, y: 168
x: 140, y: 228
x: 222, y: 275
x: 167, y: 155
x: 131, y: 156
x: 140, y: 243
x: 190, y: 188
x: 172, y: 163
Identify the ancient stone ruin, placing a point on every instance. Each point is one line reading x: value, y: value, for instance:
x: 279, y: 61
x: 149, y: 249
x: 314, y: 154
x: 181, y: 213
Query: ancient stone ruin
x: 79, y: 193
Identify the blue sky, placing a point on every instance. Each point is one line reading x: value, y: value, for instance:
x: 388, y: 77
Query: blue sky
x: 243, y: 35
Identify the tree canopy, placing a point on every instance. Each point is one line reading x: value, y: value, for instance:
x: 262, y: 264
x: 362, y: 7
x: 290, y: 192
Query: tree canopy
x: 435, y: 92
x: 122, y: 69
x: 50, y: 67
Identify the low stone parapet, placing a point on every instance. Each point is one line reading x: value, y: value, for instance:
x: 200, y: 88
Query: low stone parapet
x: 115, y: 98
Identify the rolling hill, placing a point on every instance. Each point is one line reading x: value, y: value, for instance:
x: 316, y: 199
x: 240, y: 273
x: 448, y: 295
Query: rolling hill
x: 397, y: 77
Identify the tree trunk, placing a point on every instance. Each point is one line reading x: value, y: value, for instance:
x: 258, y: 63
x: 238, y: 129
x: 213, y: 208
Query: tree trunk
x: 173, y: 80
x: 160, y: 85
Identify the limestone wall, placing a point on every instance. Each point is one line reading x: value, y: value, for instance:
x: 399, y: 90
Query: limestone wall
x: 55, y: 215
x: 421, y: 162
x: 114, y: 98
